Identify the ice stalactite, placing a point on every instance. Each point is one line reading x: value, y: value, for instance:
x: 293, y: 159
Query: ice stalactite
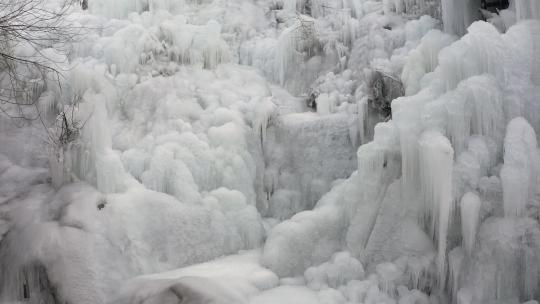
x: 531, y: 268
x: 323, y: 8
x: 123, y: 8
x: 363, y: 114
x: 456, y: 259
x: 406, y: 115
x: 470, y: 220
x: 436, y: 162
x: 413, y: 7
x: 93, y: 159
x: 167, y: 175
x: 117, y: 9
x: 29, y: 283
x: 479, y: 52
x: 189, y: 44
x: 87, y: 154
x: 469, y: 167
x: 519, y: 173
x: 423, y: 60
x: 502, y: 268
x: 148, y: 40
x: 527, y: 9
x: 295, y: 44
x: 379, y: 162
x: 293, y: 6
x: 475, y: 107
x: 372, y: 159
x: 457, y: 15
x: 108, y: 167
x: 264, y: 113
x: 185, y: 127
x: 215, y: 50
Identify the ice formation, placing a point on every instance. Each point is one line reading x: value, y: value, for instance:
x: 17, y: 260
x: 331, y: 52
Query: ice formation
x: 279, y: 151
x: 470, y: 217
x: 519, y: 172
x: 461, y: 99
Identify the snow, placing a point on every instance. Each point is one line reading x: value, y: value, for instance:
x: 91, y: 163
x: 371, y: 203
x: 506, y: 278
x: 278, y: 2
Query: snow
x: 307, y: 239
x: 341, y: 269
x: 130, y: 219
x: 232, y: 279
x: 286, y: 295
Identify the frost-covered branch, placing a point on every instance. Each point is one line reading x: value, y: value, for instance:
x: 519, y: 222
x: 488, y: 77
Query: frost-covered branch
x: 28, y: 30
x: 35, y: 39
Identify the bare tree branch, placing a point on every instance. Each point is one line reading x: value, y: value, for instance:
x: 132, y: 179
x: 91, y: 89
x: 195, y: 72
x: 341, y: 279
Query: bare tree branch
x: 34, y: 26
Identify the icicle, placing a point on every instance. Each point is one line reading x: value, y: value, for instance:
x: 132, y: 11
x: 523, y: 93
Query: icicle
x: 527, y: 9
x: 100, y: 134
x: 470, y: 219
x: 388, y: 274
x: 418, y: 271
x: 531, y: 271
x: 406, y: 113
x: 518, y: 174
x: 436, y: 160
x: 353, y: 129
x: 109, y: 172
x: 291, y: 44
x: 455, y: 263
x: 326, y: 104
x: 458, y: 15
x: 215, y: 50
x: 291, y: 6
x: 459, y: 120
x: 423, y: 60
x: 362, y: 119
x: 286, y: 55
x: 436, y: 163
x: 485, y: 97
x: 464, y: 296
x: 264, y: 112
x: 475, y: 107
x: 27, y: 284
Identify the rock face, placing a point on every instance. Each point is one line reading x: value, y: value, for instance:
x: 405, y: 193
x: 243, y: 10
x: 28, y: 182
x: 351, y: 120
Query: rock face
x: 304, y: 154
x: 494, y: 5
x: 383, y: 89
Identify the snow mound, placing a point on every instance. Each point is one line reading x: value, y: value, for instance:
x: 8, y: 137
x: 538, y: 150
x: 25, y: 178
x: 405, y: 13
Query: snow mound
x: 341, y: 269
x: 233, y: 279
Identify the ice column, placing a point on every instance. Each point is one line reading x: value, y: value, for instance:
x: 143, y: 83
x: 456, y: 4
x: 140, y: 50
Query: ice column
x: 527, y: 9
x: 457, y: 15
x: 436, y: 162
x: 470, y: 218
x: 518, y: 174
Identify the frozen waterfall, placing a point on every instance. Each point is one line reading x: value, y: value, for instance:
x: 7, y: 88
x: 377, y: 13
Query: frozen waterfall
x: 274, y: 151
